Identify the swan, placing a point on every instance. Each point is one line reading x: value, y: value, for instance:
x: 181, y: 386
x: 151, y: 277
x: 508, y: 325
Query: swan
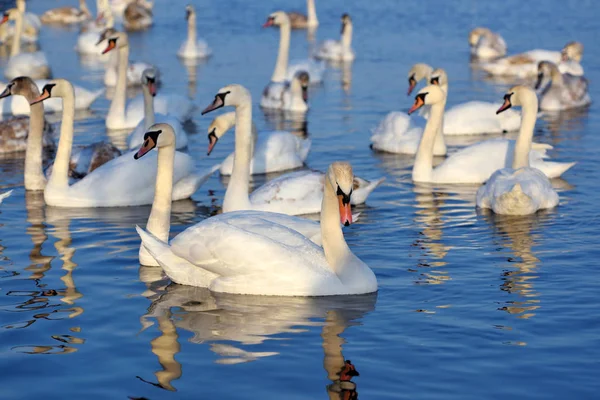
x: 193, y: 48
x: 334, y: 50
x: 34, y: 65
x: 292, y: 194
x: 417, y: 73
x: 288, y: 96
x: 522, y: 189
x: 120, y: 182
x: 30, y: 31
x: 524, y: 65
x: 475, y: 163
x: 67, y: 15
x: 137, y: 15
x: 272, y: 151
x: 562, y: 91
x: 91, y: 42
x: 226, y: 253
x: 486, y: 44
x: 19, y: 106
x: 284, y: 70
x: 136, y: 138
x: 301, y: 21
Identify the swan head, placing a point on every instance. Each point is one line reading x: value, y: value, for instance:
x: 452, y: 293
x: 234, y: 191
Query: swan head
x: 341, y: 179
x: 231, y: 95
x: 189, y: 12
x: 118, y: 40
x: 149, y: 80
x: 416, y: 73
x: 278, y: 18
x: 108, y: 32
x: 158, y: 135
x: 518, y: 96
x: 438, y: 77
x: 429, y: 95
x: 346, y: 22
x: 476, y: 34
x: 572, y: 51
x: 55, y: 88
x: 23, y: 86
x: 218, y: 127
x: 300, y: 82
x: 9, y: 15
x: 546, y: 69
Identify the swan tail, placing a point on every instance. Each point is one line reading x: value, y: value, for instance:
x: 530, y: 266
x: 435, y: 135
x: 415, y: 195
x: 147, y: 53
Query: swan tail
x: 188, y: 185
x: 362, y: 189
x: 554, y: 169
x: 304, y: 149
x: 542, y: 147
x: 177, y: 269
x: 5, y: 195
x: 514, y: 202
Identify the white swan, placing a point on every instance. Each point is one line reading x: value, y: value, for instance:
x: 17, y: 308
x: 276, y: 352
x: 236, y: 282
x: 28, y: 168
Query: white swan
x: 288, y: 96
x: 475, y: 163
x: 520, y: 190
x: 90, y: 41
x: 486, y: 44
x: 34, y: 65
x: 417, y: 73
x: 193, y: 47
x: 5, y: 195
x: 292, y: 194
x: 226, y: 253
x: 560, y: 91
x: 334, y: 50
x: 273, y: 151
x: 301, y: 21
x: 67, y: 15
x: 524, y: 65
x: 120, y: 182
x: 137, y: 15
x: 136, y: 138
x: 30, y: 31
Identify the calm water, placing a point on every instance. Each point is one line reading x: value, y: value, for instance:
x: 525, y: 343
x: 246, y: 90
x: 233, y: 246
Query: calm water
x: 470, y: 306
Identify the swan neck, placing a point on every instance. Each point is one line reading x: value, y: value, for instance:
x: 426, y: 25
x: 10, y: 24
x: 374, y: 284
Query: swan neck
x: 281, y: 65
x: 117, y: 106
x: 311, y: 13
x: 423, y: 167
x: 34, y: 172
x: 523, y: 144
x: 236, y: 196
x: 16, y: 41
x: 334, y: 245
x: 60, y: 170
x: 192, y: 33
x: 347, y: 36
x: 148, y: 108
x: 159, y: 221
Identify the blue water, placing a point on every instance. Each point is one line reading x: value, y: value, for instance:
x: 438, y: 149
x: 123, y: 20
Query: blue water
x: 470, y: 305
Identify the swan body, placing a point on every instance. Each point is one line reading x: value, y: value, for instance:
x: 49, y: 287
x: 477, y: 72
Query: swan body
x: 295, y: 266
x: 315, y: 70
x: 137, y: 15
x: 301, y: 21
x: 273, y: 151
x: 193, y: 48
x: 563, y: 91
x: 133, y: 74
x: 67, y: 15
x: 519, y: 189
x: 525, y: 65
x: 486, y: 44
x: 14, y: 134
x: 472, y: 164
x: 334, y: 50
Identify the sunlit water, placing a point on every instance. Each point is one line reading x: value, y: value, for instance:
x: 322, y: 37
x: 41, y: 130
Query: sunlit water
x: 470, y: 306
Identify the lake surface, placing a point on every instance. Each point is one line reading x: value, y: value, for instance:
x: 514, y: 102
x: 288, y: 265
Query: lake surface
x: 470, y: 305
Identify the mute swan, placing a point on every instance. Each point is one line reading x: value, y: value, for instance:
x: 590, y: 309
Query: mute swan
x: 417, y: 73
x: 5, y: 195
x: 486, y: 44
x: 272, y: 151
x: 67, y: 15
x: 476, y: 163
x: 193, y: 47
x: 34, y: 65
x: 288, y: 96
x: 301, y: 21
x: 520, y: 190
x: 137, y: 15
x: 562, y: 91
x: 284, y: 71
x: 524, y: 65
x: 91, y: 42
x: 226, y: 253
x: 334, y: 50
x: 31, y: 27
x: 293, y: 194
x: 136, y: 138
x: 120, y: 182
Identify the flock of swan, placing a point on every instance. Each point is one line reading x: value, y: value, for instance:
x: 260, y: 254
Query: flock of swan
x: 259, y: 244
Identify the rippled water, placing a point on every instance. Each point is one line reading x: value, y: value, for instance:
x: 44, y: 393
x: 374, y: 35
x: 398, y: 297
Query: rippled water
x: 470, y: 305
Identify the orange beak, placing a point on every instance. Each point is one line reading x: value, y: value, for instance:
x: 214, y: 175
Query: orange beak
x: 45, y: 95
x: 111, y: 45
x: 418, y: 104
x: 146, y: 147
x: 152, y: 88
x: 411, y: 85
x: 4, y: 19
x: 345, y: 211
x: 269, y: 22
x: 505, y: 106
x: 212, y: 142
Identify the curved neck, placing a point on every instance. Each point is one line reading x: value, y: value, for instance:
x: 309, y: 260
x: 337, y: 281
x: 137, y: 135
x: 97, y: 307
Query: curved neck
x: 159, y: 221
x: 16, y: 42
x: 117, y: 106
x: 34, y: 172
x: 311, y: 13
x: 236, y: 196
x: 149, y: 116
x: 281, y: 66
x: 347, y: 36
x: 192, y: 28
x: 334, y: 245
x: 423, y: 166
x: 523, y: 144
x: 60, y: 170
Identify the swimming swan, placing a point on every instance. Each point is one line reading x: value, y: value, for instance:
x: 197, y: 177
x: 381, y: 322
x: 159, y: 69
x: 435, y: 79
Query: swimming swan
x: 338, y: 50
x: 560, y: 91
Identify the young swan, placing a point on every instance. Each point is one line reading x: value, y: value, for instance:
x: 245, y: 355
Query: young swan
x: 301, y: 21
x: 520, y: 190
x: 560, y: 91
x: 226, y: 253
x: 67, y: 15
x: 339, y: 50
x: 486, y: 44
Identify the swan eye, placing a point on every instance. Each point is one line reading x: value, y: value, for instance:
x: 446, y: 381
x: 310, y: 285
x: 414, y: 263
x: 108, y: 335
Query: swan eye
x: 345, y: 197
x: 507, y: 96
x: 48, y: 89
x: 421, y: 96
x: 435, y: 81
